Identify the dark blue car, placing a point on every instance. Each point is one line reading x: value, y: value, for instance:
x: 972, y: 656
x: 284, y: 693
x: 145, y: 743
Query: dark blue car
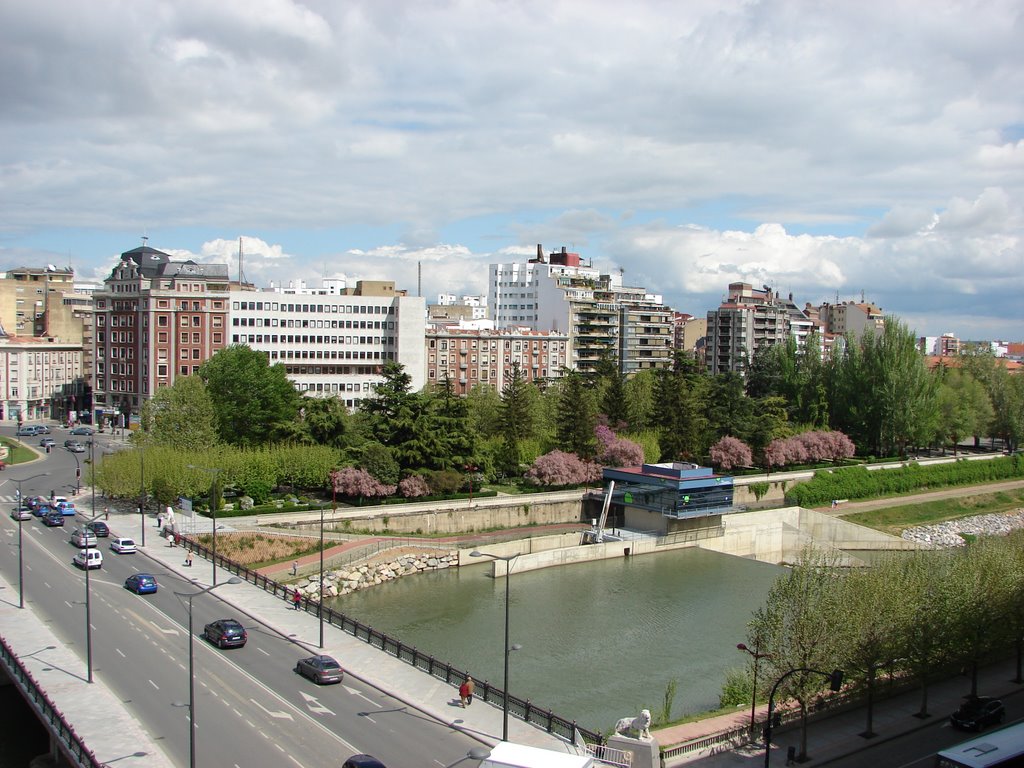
x: 141, y: 583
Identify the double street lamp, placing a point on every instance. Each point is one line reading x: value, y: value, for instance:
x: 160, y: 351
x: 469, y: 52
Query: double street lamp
x: 508, y: 560
x: 757, y: 656
x: 214, y: 503
x: 21, y: 557
x: 191, y: 667
x: 87, y: 564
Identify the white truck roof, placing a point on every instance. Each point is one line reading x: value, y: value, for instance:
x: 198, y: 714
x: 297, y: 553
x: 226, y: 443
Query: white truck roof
x: 508, y: 755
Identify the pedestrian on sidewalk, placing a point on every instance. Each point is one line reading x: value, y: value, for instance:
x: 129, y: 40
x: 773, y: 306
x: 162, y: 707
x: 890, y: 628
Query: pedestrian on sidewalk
x: 297, y: 600
x: 464, y: 693
x: 295, y: 568
x: 159, y: 521
x: 470, y: 689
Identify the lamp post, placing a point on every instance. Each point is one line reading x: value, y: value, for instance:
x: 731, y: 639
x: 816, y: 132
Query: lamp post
x: 191, y: 667
x: 213, y: 511
x: 88, y: 592
x: 753, y: 698
x: 835, y: 682
x: 142, y: 492
x: 78, y: 472
x: 508, y: 560
x: 21, y: 559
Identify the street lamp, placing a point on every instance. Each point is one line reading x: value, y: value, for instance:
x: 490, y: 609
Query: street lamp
x: 191, y: 667
x: 88, y: 603
x: 213, y: 510
x: 835, y: 682
x: 509, y: 560
x: 476, y: 753
x: 21, y: 560
x: 142, y: 492
x: 753, y: 699
x: 320, y: 602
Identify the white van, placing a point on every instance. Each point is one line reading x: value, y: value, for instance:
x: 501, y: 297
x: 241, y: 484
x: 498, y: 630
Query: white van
x: 505, y: 754
x: 88, y: 558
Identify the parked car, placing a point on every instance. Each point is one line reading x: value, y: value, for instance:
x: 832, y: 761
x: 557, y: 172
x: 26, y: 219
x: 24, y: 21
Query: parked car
x: 122, y: 545
x: 977, y: 712
x: 52, y: 519
x: 47, y: 442
x: 141, y: 583
x: 99, y: 528
x: 21, y: 513
x: 363, y: 761
x: 82, y: 431
x: 82, y: 537
x: 226, y: 633
x: 320, y: 669
x: 74, y: 446
x: 88, y: 558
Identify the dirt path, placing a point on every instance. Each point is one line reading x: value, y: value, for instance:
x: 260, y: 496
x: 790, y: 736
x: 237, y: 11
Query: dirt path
x: 956, y: 492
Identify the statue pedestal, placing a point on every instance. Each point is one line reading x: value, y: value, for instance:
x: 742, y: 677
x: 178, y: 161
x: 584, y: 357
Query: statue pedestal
x: 645, y: 751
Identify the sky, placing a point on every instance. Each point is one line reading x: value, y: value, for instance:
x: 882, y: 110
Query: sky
x: 839, y: 151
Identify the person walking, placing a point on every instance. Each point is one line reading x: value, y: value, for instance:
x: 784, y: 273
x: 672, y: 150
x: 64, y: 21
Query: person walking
x: 295, y: 567
x: 464, y: 692
x: 470, y: 689
x: 297, y: 600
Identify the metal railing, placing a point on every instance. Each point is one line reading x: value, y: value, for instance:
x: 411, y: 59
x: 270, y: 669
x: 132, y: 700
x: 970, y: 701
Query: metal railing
x: 523, y: 709
x: 70, y: 742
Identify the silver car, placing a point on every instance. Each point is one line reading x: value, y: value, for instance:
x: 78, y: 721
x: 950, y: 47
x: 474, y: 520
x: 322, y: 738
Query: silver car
x: 320, y: 669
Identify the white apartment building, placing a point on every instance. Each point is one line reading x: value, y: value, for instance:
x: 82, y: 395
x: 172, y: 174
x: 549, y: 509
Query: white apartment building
x: 334, y: 344
x: 37, y: 376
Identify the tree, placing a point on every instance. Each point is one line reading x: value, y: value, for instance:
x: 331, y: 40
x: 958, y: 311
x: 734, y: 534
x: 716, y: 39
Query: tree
x: 401, y: 420
x: 413, y: 486
x: 798, y: 627
x: 449, y: 420
x: 615, y: 451
x: 680, y: 403
x: 729, y: 452
x: 559, y: 468
x: 326, y: 420
x: 577, y: 416
x: 359, y: 484
x: 730, y: 411
x: 963, y: 407
x: 485, y: 411
x: 252, y: 401
x: 378, y: 461
x: 181, y: 416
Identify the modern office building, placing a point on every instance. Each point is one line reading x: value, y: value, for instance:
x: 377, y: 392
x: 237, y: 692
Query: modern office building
x: 563, y: 293
x: 155, y: 320
x: 485, y: 357
x: 38, y: 377
x: 334, y: 344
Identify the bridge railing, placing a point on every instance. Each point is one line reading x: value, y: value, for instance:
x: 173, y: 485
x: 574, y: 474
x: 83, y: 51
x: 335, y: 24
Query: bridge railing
x: 523, y: 709
x: 70, y: 742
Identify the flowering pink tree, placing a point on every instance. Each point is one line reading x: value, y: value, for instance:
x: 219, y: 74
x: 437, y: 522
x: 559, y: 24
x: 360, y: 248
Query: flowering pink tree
x: 615, y: 451
x: 561, y: 468
x: 839, y: 446
x: 730, y: 452
x: 413, y: 486
x: 360, y: 484
x: 775, y: 454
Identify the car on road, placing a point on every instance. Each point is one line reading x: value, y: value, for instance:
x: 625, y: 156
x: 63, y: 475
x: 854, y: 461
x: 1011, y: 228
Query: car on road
x: 99, y: 528
x: 363, y: 761
x: 122, y: 545
x: 977, y: 712
x: 320, y: 669
x: 33, y: 502
x: 74, y: 446
x: 81, y: 537
x: 82, y: 431
x: 52, y: 518
x: 226, y: 633
x: 47, y: 442
x: 88, y: 558
x: 21, y: 513
x: 29, y: 430
x: 141, y: 583
x: 65, y: 507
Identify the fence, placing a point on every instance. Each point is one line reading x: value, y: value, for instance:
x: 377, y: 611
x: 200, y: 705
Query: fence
x: 524, y: 709
x: 70, y: 743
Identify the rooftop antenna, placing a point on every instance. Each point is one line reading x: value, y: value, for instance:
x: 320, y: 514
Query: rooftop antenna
x: 419, y: 278
x: 144, y: 241
x: 241, y: 270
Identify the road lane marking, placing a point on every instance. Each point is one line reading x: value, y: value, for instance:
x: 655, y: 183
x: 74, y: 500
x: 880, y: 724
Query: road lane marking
x: 273, y: 713
x: 265, y: 653
x: 314, y: 705
x: 354, y: 692
x: 168, y: 631
x: 154, y: 685
x: 121, y: 654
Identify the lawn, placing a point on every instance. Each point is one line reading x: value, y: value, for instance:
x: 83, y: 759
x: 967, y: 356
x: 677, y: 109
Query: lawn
x: 18, y: 451
x: 894, y: 520
x: 254, y: 550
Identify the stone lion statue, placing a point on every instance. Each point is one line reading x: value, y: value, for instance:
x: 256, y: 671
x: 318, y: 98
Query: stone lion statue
x: 639, y: 725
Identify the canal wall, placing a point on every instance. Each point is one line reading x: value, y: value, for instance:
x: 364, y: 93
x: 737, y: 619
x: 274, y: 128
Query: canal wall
x: 775, y: 536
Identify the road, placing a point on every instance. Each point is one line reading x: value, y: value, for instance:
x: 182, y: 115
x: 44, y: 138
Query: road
x: 251, y: 708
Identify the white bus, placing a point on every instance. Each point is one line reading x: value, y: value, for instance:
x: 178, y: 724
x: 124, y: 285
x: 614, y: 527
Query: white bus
x: 997, y: 749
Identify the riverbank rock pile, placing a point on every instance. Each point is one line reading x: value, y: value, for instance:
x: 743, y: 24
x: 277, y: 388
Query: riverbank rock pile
x: 947, y: 534
x: 343, y: 581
